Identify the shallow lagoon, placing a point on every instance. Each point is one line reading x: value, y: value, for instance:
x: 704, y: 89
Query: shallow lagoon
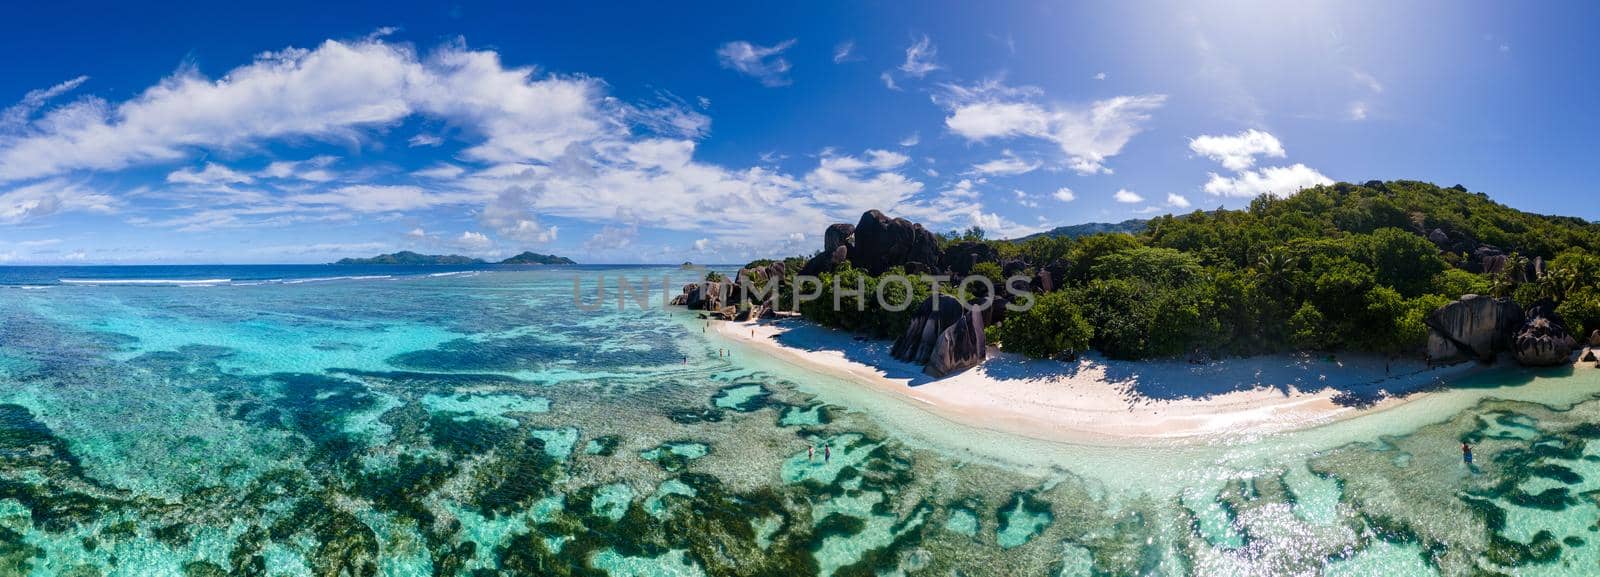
x: 480, y: 424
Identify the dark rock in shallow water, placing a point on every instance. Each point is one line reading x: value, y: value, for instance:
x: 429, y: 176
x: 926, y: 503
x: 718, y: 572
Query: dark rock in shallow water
x: 883, y: 242
x: 1474, y: 327
x: 1543, y: 339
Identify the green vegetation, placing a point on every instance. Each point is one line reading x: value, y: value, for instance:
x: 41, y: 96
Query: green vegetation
x: 1338, y: 267
x: 407, y: 257
x: 856, y: 306
x: 1130, y: 226
x: 536, y: 258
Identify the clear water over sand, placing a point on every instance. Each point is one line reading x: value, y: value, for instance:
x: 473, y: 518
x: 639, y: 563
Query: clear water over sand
x: 480, y: 424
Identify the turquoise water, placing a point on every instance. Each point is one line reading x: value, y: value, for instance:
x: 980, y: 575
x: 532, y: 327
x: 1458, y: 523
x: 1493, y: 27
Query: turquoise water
x: 479, y: 424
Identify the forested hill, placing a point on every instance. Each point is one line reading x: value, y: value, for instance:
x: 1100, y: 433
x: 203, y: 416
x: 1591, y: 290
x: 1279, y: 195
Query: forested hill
x: 1130, y: 226
x: 407, y: 257
x: 536, y: 258
x: 1337, y: 267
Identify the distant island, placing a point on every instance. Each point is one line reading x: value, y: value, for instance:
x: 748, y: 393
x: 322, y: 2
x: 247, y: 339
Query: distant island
x: 536, y: 258
x: 408, y: 258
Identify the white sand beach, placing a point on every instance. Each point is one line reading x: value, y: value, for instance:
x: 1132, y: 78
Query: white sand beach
x: 1108, y: 402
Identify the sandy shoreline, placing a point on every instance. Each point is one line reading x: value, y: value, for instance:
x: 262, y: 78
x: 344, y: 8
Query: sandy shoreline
x: 1105, y: 402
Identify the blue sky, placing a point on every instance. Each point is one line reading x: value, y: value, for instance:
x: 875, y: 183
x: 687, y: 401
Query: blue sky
x: 718, y: 132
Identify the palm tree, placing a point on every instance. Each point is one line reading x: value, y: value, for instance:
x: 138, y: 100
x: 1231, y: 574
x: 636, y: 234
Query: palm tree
x: 1557, y: 283
x: 1277, y: 266
x: 1500, y: 283
x: 1517, y: 267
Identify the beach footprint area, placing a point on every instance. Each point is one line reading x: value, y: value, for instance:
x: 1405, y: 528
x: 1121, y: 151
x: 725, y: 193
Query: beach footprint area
x: 482, y: 425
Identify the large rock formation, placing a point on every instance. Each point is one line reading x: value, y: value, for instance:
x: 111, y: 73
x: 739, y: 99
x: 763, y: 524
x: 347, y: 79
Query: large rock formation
x: 838, y: 235
x: 1594, y: 338
x: 960, y: 257
x: 883, y: 242
x: 1543, y: 339
x: 943, y: 335
x: 1051, y: 276
x: 960, y: 347
x: 917, y: 344
x: 1474, y: 327
x: 761, y: 278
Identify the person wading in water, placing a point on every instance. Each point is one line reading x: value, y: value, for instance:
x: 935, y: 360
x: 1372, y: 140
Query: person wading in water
x: 1466, y: 453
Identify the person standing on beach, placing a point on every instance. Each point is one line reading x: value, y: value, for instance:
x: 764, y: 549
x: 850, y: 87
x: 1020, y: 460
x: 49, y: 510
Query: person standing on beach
x: 1466, y: 453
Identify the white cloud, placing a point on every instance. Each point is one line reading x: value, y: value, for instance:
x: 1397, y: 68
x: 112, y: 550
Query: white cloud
x: 670, y: 116
x: 1099, y: 76
x: 1177, y: 201
x: 1064, y: 194
x: 877, y: 159
x: 963, y: 188
x: 998, y: 225
x: 49, y: 197
x: 1239, y: 151
x: 913, y: 140
x: 888, y: 80
x: 1087, y: 135
x: 382, y: 198
x: 920, y: 58
x: 538, y: 149
x: 332, y: 92
x: 702, y: 245
x: 1127, y: 196
x: 1009, y: 164
x: 1358, y: 110
x: 764, y: 63
x: 473, y: 240
x: 17, y: 116
x: 1276, y: 180
x: 213, y: 174
x: 511, y: 215
x: 842, y: 52
x: 1366, y: 80
x: 441, y: 171
x: 424, y: 140
x: 314, y: 169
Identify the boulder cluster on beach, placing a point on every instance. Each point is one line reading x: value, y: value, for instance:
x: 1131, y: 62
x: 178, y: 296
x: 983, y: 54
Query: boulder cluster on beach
x: 945, y: 335
x: 1477, y: 327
